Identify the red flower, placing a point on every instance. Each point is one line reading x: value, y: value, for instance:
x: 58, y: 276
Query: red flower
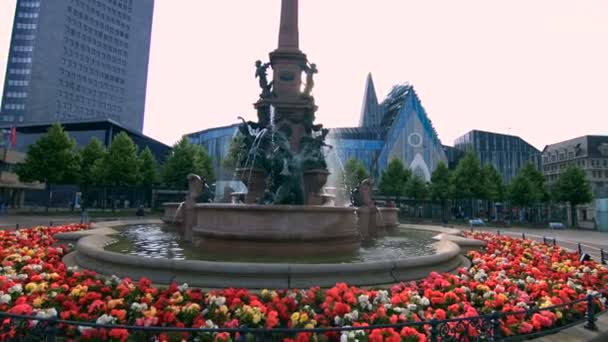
x: 119, y: 334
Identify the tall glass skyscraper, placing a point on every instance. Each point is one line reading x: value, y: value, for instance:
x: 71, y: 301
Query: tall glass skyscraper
x: 78, y: 59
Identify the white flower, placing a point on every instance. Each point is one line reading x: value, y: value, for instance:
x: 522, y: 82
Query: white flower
x: 46, y: 313
x: 17, y: 288
x: 425, y: 301
x: 5, y: 299
x: 364, y: 302
x: 382, y: 297
x: 218, y: 301
x: 338, y: 320
x: 183, y: 287
x: 37, y: 268
x: 412, y: 307
x: 209, y: 324
x: 139, y: 307
x: 106, y: 319
x: 530, y: 280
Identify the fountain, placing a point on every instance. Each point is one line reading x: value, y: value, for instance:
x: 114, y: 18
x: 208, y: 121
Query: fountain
x: 284, y: 232
x: 283, y: 167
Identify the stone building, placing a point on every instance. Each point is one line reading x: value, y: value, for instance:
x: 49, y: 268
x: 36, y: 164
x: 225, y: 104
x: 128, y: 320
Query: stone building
x: 590, y: 153
x: 77, y: 59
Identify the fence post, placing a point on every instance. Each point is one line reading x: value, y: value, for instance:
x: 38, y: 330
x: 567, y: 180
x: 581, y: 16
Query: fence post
x: 498, y: 232
x: 590, y: 313
x: 544, y: 240
x: 51, y: 330
x: 554, y: 242
x: 51, y: 224
x: 523, y: 236
x: 434, y: 331
x: 602, y: 256
x: 17, y: 226
x: 580, y: 249
x: 495, y: 326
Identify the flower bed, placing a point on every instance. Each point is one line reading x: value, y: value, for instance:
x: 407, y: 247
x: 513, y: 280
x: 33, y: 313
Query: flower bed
x: 511, y: 275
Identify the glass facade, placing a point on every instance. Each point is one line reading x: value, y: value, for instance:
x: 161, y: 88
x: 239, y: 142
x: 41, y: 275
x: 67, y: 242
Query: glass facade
x: 507, y: 153
x: 217, y: 143
x: 83, y: 131
x: 78, y: 59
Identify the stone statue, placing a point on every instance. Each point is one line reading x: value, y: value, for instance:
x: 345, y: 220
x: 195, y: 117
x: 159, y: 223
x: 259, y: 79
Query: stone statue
x: 195, y: 188
x: 310, y: 70
x: 260, y: 72
x: 365, y: 192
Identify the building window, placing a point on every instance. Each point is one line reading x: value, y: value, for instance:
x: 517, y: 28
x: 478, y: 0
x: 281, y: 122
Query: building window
x: 14, y: 106
x: 32, y: 4
x: 18, y: 83
x: 16, y: 94
x: 23, y: 48
x: 27, y: 15
x: 19, y: 71
x: 26, y: 26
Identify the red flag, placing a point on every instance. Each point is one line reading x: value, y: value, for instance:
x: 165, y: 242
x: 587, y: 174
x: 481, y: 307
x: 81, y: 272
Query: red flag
x: 13, y: 136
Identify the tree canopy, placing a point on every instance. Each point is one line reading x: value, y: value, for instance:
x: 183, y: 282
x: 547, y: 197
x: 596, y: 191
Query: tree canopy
x: 149, y: 174
x: 89, y: 155
x: 354, y: 173
x: 440, y: 187
x: 466, y: 178
x: 187, y: 158
x: 120, y: 165
x: 52, y: 159
x: 416, y: 188
x: 394, y: 178
x: 493, y: 187
x: 573, y: 187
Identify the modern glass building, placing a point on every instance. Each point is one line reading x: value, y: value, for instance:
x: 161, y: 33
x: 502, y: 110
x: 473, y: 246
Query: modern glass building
x: 217, y: 143
x: 508, y: 153
x: 78, y: 59
x: 82, y: 131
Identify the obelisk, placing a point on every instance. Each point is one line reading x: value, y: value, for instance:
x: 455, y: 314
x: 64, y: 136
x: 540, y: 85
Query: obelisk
x: 288, y: 30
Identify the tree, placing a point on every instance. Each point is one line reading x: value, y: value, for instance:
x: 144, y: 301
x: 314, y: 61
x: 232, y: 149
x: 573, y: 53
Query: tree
x: 573, y: 188
x: 149, y: 168
x: 354, y: 173
x: 493, y: 187
x: 521, y: 191
x: 237, y: 145
x: 466, y: 179
x: 416, y: 189
x: 537, y: 180
x: 187, y: 158
x: 51, y: 159
x: 89, y: 155
x: 120, y: 165
x: 394, y: 178
x: 440, y: 187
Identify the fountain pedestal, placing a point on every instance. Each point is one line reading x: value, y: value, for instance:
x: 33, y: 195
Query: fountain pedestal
x: 255, y: 181
x: 276, y: 230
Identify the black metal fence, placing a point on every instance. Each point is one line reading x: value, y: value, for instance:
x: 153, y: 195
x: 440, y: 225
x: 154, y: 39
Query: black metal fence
x: 479, y: 328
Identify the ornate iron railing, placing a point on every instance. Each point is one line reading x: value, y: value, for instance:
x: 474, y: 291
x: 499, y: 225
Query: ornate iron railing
x: 478, y: 328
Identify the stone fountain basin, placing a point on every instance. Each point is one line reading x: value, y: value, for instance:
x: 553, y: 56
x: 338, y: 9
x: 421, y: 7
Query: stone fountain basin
x: 275, y: 230
x: 90, y: 254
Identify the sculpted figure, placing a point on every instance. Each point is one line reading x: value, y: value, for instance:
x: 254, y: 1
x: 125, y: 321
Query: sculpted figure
x: 195, y: 188
x: 365, y: 192
x: 310, y: 70
x: 260, y: 72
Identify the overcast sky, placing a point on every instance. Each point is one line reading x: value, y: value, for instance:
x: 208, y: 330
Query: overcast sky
x: 533, y: 68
